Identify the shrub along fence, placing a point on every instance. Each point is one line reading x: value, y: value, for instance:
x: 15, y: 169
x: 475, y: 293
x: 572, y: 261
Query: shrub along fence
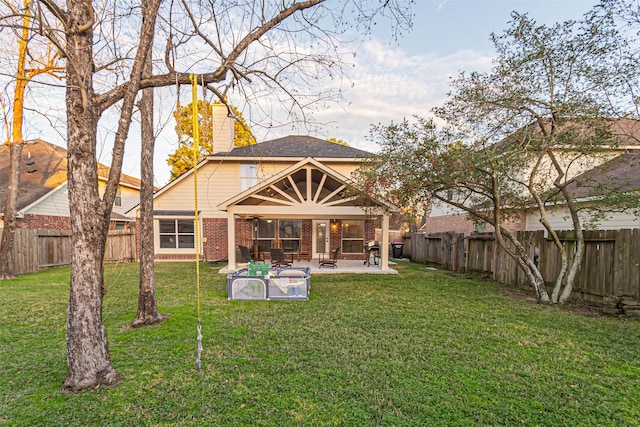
x: 42, y: 248
x: 610, y: 270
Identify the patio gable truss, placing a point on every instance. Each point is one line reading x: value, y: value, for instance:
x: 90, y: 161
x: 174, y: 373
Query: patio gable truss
x: 308, y: 187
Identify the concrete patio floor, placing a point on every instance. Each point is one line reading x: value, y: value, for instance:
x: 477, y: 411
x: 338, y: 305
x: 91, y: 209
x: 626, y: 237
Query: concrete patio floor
x: 343, y: 266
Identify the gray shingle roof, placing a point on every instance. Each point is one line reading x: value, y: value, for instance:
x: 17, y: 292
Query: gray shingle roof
x: 297, y: 146
x: 621, y: 173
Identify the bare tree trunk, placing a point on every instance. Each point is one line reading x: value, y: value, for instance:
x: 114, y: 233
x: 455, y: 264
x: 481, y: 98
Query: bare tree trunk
x: 7, y: 256
x: 88, y: 357
x: 147, y: 306
x: 534, y: 277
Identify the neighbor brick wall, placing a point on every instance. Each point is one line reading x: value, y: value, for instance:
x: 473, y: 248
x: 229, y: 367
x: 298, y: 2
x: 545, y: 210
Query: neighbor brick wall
x: 460, y: 223
x: 44, y: 221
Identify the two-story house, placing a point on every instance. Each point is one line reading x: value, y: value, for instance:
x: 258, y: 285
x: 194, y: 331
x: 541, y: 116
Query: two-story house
x: 292, y: 193
x: 446, y: 218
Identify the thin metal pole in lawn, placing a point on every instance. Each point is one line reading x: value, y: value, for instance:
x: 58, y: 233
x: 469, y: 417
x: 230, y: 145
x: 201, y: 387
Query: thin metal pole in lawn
x: 195, y: 126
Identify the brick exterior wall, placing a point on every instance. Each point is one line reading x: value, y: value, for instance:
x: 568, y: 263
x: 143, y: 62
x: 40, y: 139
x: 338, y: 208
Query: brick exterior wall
x: 214, y: 230
x: 369, y: 230
x: 460, y: 223
x: 306, y: 239
x: 44, y: 221
x: 335, y: 236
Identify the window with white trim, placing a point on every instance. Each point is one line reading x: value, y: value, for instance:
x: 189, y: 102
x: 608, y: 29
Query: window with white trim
x: 479, y: 227
x: 118, y: 200
x: 248, y: 176
x: 176, y: 233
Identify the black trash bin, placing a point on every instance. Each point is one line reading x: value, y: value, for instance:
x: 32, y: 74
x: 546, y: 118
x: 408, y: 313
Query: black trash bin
x: 397, y: 249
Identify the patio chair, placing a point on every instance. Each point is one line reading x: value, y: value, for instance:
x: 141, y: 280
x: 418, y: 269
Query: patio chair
x: 277, y: 258
x: 245, y: 255
x: 330, y: 262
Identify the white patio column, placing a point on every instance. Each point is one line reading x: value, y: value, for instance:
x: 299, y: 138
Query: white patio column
x: 384, y: 244
x: 231, y: 240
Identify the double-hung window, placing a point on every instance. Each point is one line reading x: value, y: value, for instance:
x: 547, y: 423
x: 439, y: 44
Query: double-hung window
x: 118, y: 200
x: 248, y: 176
x: 177, y: 233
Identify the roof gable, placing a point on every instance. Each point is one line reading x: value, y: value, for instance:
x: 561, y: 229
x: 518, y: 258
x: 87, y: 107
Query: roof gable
x: 43, y: 169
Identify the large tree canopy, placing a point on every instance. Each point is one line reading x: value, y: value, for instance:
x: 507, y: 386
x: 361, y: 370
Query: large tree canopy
x: 518, y: 134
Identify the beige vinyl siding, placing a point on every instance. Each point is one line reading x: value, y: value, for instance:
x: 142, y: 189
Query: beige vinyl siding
x: 130, y: 197
x: 56, y: 203
x: 216, y: 183
x: 560, y: 220
x: 439, y: 208
x: 267, y: 169
x: 345, y: 169
x: 571, y: 163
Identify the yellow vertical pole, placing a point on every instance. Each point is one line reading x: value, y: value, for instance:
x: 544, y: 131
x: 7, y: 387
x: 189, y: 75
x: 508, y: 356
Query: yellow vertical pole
x: 195, y: 126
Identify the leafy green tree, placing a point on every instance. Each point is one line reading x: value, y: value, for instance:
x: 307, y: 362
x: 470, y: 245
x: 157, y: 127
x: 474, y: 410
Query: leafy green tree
x: 527, y: 128
x: 181, y: 160
x: 338, y: 141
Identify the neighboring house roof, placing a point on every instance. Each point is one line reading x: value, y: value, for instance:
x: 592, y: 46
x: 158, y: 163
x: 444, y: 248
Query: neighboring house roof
x: 300, y: 146
x: 626, y: 130
x: 622, y: 172
x: 43, y: 170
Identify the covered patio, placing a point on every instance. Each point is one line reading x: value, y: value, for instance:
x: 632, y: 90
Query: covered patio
x: 309, y: 211
x: 343, y: 266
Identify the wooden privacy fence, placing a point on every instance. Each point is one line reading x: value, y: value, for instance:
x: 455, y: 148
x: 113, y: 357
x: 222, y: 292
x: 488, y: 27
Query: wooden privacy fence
x: 610, y: 268
x: 38, y: 249
x: 445, y: 249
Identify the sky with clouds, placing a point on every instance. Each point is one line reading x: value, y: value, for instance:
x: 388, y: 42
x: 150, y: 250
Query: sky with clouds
x: 394, y: 81
x: 391, y: 79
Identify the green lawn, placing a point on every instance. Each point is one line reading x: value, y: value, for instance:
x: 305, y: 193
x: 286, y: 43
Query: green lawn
x: 418, y: 348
